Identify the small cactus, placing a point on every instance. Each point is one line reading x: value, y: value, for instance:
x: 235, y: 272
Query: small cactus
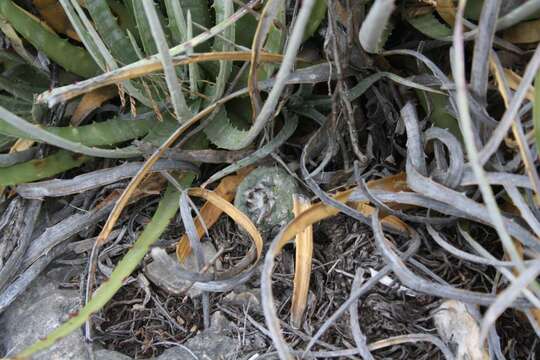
x: 266, y: 196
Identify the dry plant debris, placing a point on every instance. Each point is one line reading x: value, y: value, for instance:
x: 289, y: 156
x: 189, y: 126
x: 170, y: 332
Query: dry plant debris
x: 399, y: 214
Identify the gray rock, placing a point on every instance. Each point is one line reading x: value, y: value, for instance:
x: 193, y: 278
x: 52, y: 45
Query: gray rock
x: 207, y: 345
x: 209, y: 252
x: 248, y: 300
x: 104, y: 354
x: 161, y: 272
x: 37, y: 312
x: 219, y: 323
x: 177, y: 353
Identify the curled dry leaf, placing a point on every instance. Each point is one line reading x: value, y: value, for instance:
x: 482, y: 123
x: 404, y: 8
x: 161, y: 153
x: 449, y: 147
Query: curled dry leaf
x: 523, y: 33
x: 321, y: 211
x: 239, y: 217
x: 90, y: 102
x: 456, y: 325
x: 211, y: 213
x: 519, y: 136
x: 447, y: 11
x: 308, y: 217
x: 392, y: 183
x: 178, y: 279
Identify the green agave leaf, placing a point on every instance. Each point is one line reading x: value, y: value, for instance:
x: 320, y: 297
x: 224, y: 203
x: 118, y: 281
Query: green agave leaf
x: 107, y: 26
x: 5, y: 142
x: 176, y: 21
x: 126, y: 20
x: 200, y: 14
x: 222, y: 132
x: 224, y: 9
x: 386, y: 33
x: 245, y: 30
x: 104, y: 133
x: 70, y: 57
x: 20, y: 89
x: 161, y: 131
x: 35, y: 170
x: 274, y: 44
x: 9, y: 59
x: 30, y: 75
x: 317, y: 16
x: 143, y: 28
x: 288, y: 129
x: 194, y: 72
x: 20, y: 107
x: 429, y: 25
x: 439, y: 115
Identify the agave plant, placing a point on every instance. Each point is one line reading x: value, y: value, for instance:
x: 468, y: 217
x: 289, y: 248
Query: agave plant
x: 194, y: 44
x: 176, y: 69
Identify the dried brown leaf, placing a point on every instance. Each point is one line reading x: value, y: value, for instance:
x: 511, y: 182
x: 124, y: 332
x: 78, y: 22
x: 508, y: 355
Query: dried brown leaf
x: 91, y: 101
x: 302, y: 271
x: 525, y: 32
x: 210, y: 213
x: 53, y: 14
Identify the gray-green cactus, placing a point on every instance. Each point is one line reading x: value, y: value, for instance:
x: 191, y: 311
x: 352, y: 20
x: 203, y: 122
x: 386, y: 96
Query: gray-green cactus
x: 266, y: 196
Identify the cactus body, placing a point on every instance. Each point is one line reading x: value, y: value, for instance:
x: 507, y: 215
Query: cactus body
x: 266, y: 196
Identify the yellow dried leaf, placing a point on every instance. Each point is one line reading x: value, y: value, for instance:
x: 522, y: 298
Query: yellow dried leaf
x: 21, y: 145
x: 239, y: 217
x: 91, y: 101
x: 16, y: 42
x: 321, y: 211
x: 210, y: 213
x: 525, y: 32
x: 393, y: 183
x: 447, y: 11
x: 514, y: 80
x: 302, y: 270
x: 52, y: 12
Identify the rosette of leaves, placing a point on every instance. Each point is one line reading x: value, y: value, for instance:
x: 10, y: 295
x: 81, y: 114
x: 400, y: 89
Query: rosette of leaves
x: 112, y: 34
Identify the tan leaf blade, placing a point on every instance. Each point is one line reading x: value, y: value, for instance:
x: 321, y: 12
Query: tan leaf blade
x: 302, y: 270
x: 211, y: 213
x: 514, y: 80
x: 239, y: 217
x: 525, y: 32
x: 91, y: 101
x: 53, y: 14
